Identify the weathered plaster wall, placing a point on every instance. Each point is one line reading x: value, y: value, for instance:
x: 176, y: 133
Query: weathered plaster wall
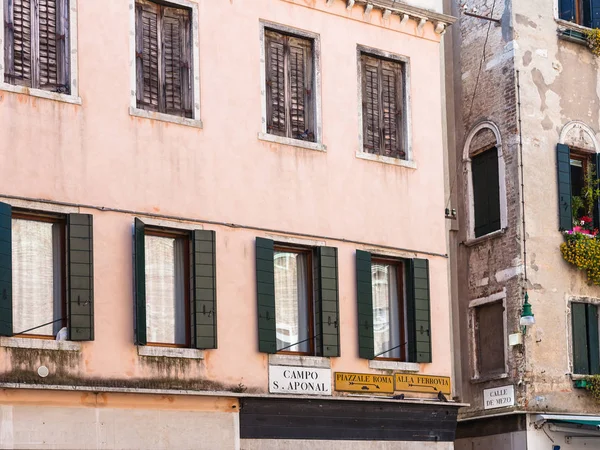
x: 559, y: 84
x: 98, y: 155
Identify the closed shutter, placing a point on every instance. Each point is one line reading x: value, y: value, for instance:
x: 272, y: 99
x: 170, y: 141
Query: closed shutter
x: 17, y: 45
x: 364, y: 294
x: 176, y: 61
x: 486, y: 192
x: 265, y: 293
x: 595, y: 13
x: 80, y: 277
x: 275, y: 92
x: 391, y: 113
x: 592, y: 335
x: 370, y: 104
x: 147, y: 55
x: 6, y: 321
x: 580, y: 342
x: 327, y: 310
x: 204, y: 289
x: 418, y: 311
x: 47, y: 46
x: 566, y: 9
x: 564, y: 187
x: 140, y: 281
x: 62, y: 46
x: 300, y: 80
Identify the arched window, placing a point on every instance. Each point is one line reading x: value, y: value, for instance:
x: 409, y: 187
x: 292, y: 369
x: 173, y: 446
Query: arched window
x: 486, y: 188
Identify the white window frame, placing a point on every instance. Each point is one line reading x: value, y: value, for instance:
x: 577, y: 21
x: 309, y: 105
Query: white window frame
x: 195, y: 120
x: 471, y: 239
x: 263, y: 135
x: 472, y: 317
x: 73, y: 96
x: 405, y: 60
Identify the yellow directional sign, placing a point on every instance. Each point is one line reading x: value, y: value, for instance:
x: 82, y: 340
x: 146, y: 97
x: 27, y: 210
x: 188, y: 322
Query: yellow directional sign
x: 366, y: 383
x: 422, y: 383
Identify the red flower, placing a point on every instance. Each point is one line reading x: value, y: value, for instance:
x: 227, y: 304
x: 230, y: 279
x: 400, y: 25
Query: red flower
x: 586, y: 219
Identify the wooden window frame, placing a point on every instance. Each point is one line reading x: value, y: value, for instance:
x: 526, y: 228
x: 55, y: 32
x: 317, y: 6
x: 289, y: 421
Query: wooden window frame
x: 36, y: 216
x: 400, y: 266
x: 65, y: 61
x: 311, y: 300
x: 185, y: 236
x: 139, y: 74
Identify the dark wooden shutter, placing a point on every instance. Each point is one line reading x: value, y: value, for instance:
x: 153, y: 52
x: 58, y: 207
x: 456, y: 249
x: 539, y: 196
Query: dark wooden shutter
x: 176, y: 58
x: 62, y: 47
x: 6, y: 317
x: 147, y: 55
x: 17, y: 43
x: 327, y: 317
x: 80, y: 277
x: 364, y: 294
x: 300, y: 87
x: 580, y: 341
x: 204, y: 288
x: 275, y: 73
x: 265, y: 290
x: 566, y: 9
x: 139, y: 242
x: 370, y: 104
x: 391, y: 112
x: 592, y: 335
x: 486, y: 192
x: 595, y: 14
x: 564, y: 187
x: 418, y: 311
x: 47, y: 57
x: 489, y: 328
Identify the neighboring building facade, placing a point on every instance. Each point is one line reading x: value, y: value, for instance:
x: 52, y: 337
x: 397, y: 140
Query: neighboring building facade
x: 525, y: 94
x: 220, y: 225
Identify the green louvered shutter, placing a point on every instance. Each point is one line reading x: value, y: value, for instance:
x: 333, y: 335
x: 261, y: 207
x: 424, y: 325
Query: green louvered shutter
x: 204, y: 288
x: 592, y: 335
x: 564, y: 187
x: 80, y: 277
x: 597, y: 207
x: 364, y: 294
x: 418, y: 311
x: 140, y: 282
x: 327, y: 310
x: 580, y: 342
x: 6, y: 324
x: 265, y: 293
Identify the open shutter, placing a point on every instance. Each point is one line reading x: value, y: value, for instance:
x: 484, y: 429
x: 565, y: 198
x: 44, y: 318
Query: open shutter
x: 265, y: 290
x: 204, y: 288
x: 418, y: 311
x: 364, y: 294
x: 80, y: 277
x: 566, y: 9
x: 275, y: 74
x: 564, y: 187
x: 6, y: 317
x: 391, y: 109
x: 176, y: 77
x: 18, y: 39
x: 595, y: 13
x: 300, y: 87
x: 139, y: 270
x: 580, y: 342
x: 592, y: 335
x: 327, y: 317
x: 47, y: 47
x: 147, y: 55
x: 370, y: 104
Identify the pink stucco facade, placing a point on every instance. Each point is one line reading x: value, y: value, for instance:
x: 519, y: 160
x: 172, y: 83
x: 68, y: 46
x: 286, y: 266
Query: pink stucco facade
x: 97, y: 158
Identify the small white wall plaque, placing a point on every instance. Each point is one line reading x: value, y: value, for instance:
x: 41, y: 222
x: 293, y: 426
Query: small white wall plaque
x: 499, y: 397
x: 299, y: 380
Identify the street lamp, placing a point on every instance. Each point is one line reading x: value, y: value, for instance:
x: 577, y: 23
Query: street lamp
x: 527, y: 318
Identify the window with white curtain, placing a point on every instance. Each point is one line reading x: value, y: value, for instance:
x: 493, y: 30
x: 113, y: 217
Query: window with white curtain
x: 293, y: 300
x: 166, y: 288
x: 388, y: 309
x: 38, y: 275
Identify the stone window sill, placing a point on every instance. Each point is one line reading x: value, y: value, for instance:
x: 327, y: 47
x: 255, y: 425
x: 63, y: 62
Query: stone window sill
x: 40, y: 344
x: 387, y: 160
x: 65, y: 98
x: 165, y: 117
x: 292, y: 142
x: 485, y: 237
x: 394, y: 365
x: 484, y: 379
x: 300, y: 360
x: 170, y: 352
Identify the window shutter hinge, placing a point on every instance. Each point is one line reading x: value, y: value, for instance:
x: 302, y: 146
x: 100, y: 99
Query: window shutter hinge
x: 139, y: 55
x: 422, y: 330
x: 209, y: 313
x: 329, y: 322
x: 60, y: 37
x: 266, y: 316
